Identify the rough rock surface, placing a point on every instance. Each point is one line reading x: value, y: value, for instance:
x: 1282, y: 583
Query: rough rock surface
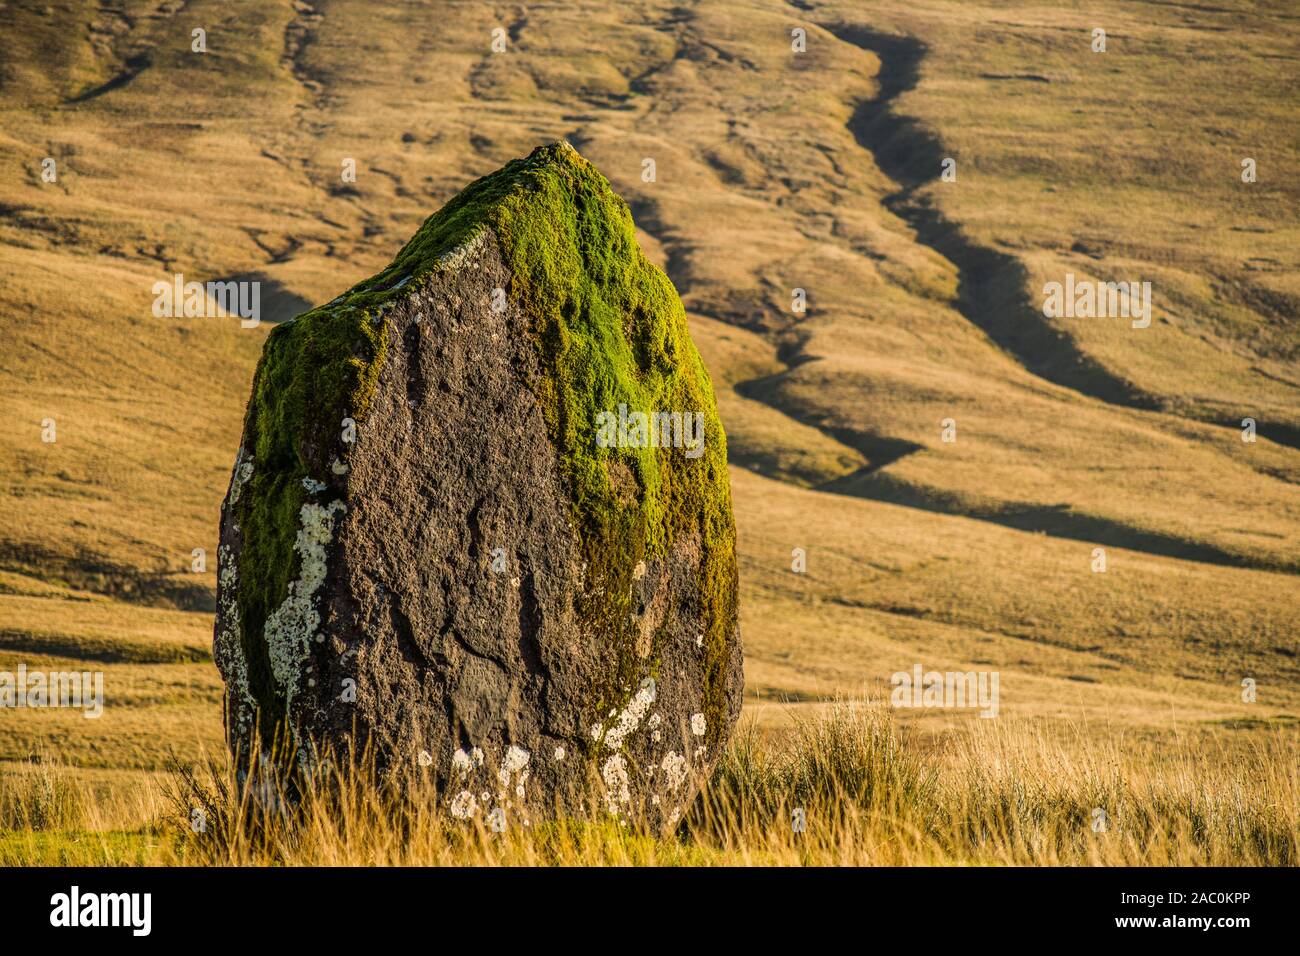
x: 426, y: 546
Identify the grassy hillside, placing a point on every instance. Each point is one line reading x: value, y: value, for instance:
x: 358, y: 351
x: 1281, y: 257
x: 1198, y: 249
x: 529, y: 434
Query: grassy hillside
x: 774, y: 170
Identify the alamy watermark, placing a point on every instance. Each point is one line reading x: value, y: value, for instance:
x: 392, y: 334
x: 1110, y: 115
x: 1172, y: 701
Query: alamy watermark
x: 624, y: 429
x: 82, y: 689
x: 1093, y: 300
x: 133, y: 911
x: 960, y: 689
x: 218, y: 299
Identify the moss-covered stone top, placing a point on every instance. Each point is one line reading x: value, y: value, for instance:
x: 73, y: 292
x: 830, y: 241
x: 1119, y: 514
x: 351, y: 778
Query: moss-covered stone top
x: 610, y: 330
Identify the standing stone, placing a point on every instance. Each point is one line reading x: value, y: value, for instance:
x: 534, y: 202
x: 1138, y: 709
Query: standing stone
x: 480, y: 519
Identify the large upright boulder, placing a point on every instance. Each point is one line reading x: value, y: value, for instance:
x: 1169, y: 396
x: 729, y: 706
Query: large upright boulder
x: 470, y: 524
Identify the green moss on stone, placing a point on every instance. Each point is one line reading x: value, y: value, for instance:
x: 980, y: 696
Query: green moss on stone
x: 609, y: 329
x: 315, y: 372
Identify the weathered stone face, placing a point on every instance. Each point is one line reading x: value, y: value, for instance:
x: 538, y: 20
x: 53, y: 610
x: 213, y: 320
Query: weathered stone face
x: 431, y: 546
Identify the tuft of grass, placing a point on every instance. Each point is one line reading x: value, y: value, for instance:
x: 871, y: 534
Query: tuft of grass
x: 38, y: 797
x: 843, y: 789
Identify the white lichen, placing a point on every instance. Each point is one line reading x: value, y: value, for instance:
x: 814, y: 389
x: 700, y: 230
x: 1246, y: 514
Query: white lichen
x: 460, y: 763
x: 514, y: 762
x: 455, y: 258
x: 313, y: 486
x: 243, y: 472
x: 698, y: 725
x: 228, y: 648
x: 516, y: 759
x: 337, y: 467
x: 291, y: 626
x: 674, y: 768
x: 632, y: 714
x: 464, y: 805
x: 617, y: 791
x: 559, y: 753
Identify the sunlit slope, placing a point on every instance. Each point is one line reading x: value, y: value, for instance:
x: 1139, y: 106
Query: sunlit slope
x: 1124, y: 164
x: 772, y: 171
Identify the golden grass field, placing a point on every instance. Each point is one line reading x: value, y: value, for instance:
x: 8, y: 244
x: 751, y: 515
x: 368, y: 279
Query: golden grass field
x: 775, y: 170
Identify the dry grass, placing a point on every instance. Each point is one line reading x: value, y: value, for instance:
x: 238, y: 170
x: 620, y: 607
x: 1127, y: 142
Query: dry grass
x: 865, y: 794
x: 41, y: 798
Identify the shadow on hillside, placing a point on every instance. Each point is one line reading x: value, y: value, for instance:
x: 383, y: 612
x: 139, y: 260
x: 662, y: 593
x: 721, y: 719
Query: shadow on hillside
x: 85, y: 571
x: 878, y: 450
x: 132, y: 68
x: 278, y: 303
x: 990, y: 283
x: 1056, y: 521
x: 78, y: 647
